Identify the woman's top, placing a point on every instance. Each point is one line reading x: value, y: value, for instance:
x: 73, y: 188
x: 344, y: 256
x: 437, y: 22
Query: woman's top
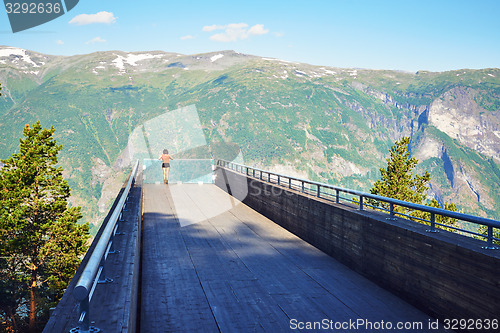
x: 166, y: 158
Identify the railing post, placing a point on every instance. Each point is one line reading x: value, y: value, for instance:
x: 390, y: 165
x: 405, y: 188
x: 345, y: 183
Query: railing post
x: 260, y: 174
x: 268, y: 177
x: 337, y: 197
x: 360, y: 202
x: 319, y: 190
x: 490, y: 237
x: 84, y: 321
x: 303, y: 186
x: 102, y: 276
x: 433, y: 223
x: 391, y: 212
x: 489, y: 241
x: 278, y: 179
x: 289, y: 182
x: 112, y: 241
x: 111, y: 245
x: 253, y: 173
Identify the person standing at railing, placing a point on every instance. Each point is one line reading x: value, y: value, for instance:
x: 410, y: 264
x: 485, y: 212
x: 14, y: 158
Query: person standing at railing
x: 165, y: 157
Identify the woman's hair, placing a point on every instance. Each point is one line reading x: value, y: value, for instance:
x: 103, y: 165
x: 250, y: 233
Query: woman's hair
x: 165, y: 151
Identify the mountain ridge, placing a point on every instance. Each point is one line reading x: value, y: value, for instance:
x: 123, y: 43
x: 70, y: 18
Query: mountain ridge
x: 329, y: 124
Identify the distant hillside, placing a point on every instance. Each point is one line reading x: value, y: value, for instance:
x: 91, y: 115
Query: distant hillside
x: 329, y: 124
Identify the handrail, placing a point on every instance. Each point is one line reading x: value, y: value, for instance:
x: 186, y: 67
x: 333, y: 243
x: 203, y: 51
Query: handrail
x: 94, y: 270
x: 490, y: 223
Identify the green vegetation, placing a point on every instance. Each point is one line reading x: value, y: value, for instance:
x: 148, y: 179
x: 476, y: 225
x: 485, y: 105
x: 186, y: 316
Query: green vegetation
x: 41, y: 244
x: 334, y: 124
x: 399, y: 182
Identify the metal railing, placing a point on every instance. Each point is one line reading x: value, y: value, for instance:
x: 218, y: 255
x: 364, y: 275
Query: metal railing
x: 94, y: 270
x: 331, y: 193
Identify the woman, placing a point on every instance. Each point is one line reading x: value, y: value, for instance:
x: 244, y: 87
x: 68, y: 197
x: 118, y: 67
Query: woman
x: 165, y: 157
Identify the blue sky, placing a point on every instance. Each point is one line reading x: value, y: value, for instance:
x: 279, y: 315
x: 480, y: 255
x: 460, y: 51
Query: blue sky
x: 404, y: 35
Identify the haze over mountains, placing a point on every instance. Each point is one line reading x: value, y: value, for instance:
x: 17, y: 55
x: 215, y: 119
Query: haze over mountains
x: 328, y: 124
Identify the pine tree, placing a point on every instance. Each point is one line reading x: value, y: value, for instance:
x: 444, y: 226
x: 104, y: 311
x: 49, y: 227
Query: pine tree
x: 399, y: 182
x: 40, y: 241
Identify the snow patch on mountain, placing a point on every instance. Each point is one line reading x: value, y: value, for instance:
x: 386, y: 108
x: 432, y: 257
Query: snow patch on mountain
x: 132, y: 59
x: 300, y: 73
x: 280, y: 60
x: 31, y: 72
x: 14, y: 51
x: 216, y: 57
x: 327, y: 71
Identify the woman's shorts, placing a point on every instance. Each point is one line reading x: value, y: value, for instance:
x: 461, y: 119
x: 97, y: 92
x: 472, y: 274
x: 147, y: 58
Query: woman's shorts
x: 165, y: 165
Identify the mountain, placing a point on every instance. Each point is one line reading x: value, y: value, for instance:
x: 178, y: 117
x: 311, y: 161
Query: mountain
x: 328, y: 124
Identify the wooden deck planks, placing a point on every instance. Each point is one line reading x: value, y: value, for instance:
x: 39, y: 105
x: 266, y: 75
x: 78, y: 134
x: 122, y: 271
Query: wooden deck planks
x: 172, y: 300
x: 359, y: 294
x: 212, y: 264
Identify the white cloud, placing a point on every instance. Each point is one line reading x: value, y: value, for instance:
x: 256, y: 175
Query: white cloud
x: 187, y: 37
x: 213, y: 27
x: 96, y: 40
x: 59, y: 42
x: 258, y: 29
x: 101, y: 17
x: 232, y: 32
x: 235, y: 31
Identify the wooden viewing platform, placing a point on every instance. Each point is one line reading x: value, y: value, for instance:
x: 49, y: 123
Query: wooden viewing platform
x: 212, y: 264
